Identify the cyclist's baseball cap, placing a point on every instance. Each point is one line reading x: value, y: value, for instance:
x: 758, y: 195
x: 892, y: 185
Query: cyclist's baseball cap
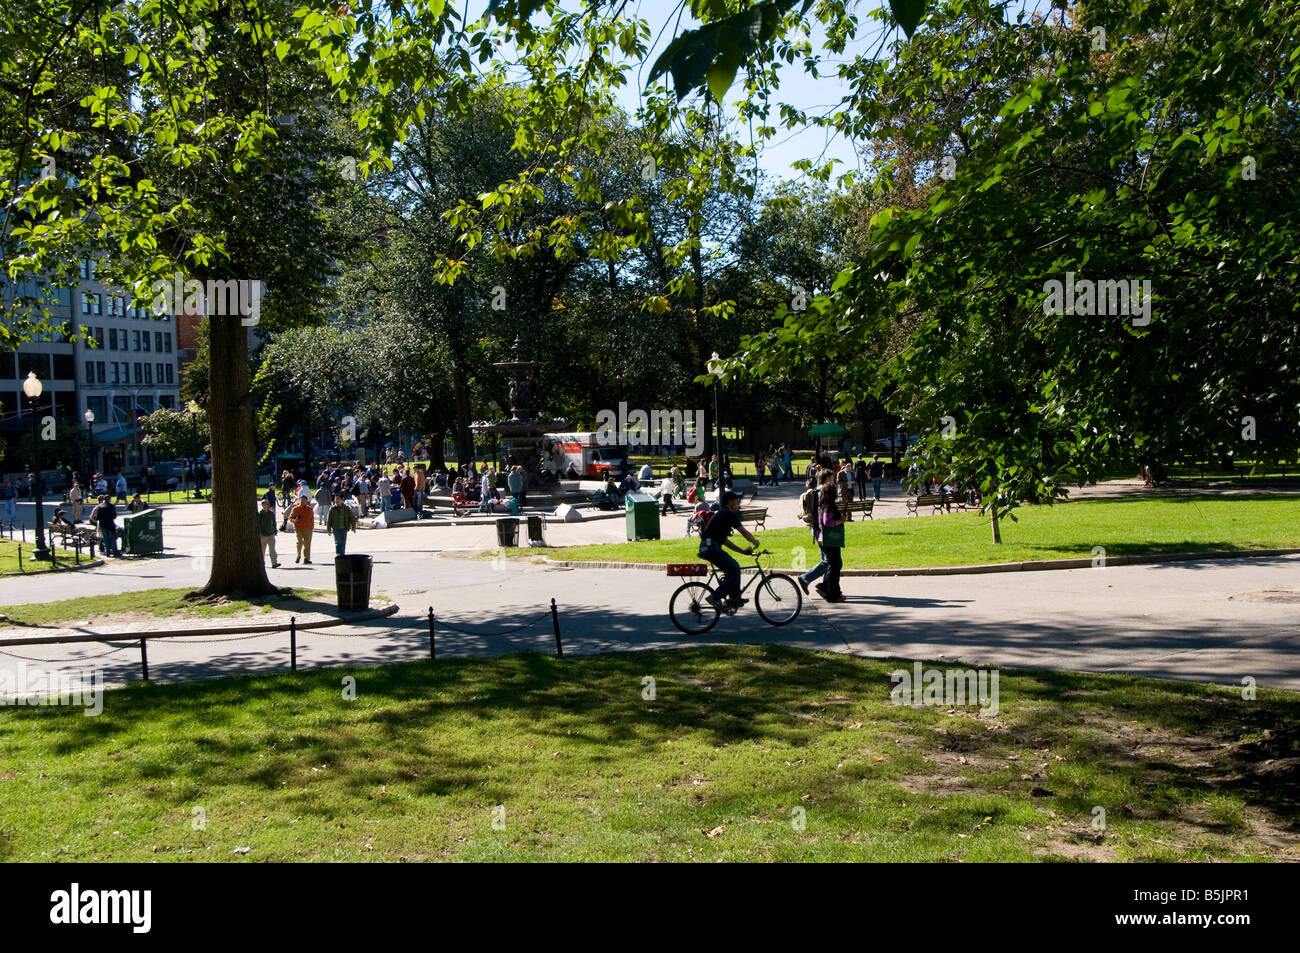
x: 727, y: 497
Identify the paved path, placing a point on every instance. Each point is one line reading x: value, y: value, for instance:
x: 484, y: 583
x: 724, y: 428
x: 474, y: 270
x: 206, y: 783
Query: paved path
x: 1194, y: 620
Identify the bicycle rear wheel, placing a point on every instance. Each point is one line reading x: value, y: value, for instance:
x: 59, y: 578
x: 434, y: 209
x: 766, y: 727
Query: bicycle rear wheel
x: 778, y: 600
x: 690, y: 611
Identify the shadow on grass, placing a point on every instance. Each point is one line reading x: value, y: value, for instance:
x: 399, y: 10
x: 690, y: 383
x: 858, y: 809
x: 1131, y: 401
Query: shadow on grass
x: 1166, y: 741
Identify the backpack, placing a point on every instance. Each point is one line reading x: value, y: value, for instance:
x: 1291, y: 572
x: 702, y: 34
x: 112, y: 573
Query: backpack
x: 703, y: 514
x: 808, y: 507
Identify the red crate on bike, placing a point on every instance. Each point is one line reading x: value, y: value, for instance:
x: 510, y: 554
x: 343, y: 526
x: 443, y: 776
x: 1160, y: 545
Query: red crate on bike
x: 688, y: 569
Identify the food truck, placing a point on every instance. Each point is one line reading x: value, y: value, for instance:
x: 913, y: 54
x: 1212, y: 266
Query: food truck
x: 591, y: 459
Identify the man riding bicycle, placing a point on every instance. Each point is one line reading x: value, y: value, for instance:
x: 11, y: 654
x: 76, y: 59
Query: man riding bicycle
x: 714, y: 538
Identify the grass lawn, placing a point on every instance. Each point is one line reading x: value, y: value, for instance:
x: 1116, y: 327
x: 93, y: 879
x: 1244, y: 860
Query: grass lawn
x: 744, y: 754
x: 9, y: 557
x: 154, y: 602
x: 1064, y: 531
x: 742, y: 464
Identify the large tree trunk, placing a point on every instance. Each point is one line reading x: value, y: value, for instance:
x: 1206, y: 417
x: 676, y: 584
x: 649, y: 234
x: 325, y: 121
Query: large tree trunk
x: 464, y: 436
x: 236, y: 548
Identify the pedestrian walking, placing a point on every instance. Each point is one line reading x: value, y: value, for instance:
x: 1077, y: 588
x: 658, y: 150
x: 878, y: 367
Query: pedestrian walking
x: 121, y: 487
x: 810, y: 516
x: 323, y: 498
x: 860, y: 476
x: 666, y: 490
x: 876, y: 471
x: 267, y: 528
x: 831, y: 542
x: 760, y: 467
x: 515, y: 483
x: 339, y: 521
x: 304, y: 526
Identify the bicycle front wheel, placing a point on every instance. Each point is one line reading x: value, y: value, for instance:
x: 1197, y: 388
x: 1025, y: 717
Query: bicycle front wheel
x: 778, y: 600
x: 690, y: 611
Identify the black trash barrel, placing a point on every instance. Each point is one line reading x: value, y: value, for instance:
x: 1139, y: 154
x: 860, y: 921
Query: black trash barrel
x: 352, y: 580
x: 508, y: 531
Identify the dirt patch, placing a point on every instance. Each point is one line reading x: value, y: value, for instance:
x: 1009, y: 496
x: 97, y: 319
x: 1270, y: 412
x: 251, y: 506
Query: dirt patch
x: 1283, y: 596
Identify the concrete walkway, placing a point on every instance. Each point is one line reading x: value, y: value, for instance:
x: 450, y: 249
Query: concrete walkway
x: 1199, y: 620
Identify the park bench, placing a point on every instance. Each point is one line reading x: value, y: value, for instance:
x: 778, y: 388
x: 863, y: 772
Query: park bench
x: 754, y: 514
x: 859, y: 506
x: 940, y: 502
x: 87, y: 534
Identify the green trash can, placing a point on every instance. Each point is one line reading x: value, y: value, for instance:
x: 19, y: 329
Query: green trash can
x: 142, y: 533
x: 642, y: 517
x: 352, y: 580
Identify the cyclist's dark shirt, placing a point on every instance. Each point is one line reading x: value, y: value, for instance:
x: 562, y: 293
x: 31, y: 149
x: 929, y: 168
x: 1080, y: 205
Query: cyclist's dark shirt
x: 720, y: 526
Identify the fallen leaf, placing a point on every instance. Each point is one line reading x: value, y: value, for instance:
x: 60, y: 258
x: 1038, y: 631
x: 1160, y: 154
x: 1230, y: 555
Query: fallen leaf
x: 242, y: 850
x: 715, y: 832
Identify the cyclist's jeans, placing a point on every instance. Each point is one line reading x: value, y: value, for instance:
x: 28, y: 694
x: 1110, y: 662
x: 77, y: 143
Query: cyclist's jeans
x: 714, y: 553
x: 820, y: 569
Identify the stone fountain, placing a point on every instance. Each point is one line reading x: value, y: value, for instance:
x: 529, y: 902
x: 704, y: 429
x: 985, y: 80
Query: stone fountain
x: 522, y: 433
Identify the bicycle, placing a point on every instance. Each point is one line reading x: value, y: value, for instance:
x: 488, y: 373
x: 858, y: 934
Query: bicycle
x: 777, y: 598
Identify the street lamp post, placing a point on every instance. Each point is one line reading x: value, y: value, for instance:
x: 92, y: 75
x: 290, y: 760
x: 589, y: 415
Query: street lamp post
x: 90, y: 427
x: 715, y: 368
x: 32, y: 388
x: 193, y: 408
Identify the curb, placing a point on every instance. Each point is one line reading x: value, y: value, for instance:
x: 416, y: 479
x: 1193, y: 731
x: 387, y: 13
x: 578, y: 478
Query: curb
x: 1032, y: 566
x: 226, y: 630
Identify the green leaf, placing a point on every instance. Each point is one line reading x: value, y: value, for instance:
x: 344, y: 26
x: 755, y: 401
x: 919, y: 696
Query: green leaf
x: 908, y: 13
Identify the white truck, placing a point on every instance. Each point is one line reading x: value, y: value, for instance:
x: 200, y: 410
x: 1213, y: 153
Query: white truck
x: 592, y: 459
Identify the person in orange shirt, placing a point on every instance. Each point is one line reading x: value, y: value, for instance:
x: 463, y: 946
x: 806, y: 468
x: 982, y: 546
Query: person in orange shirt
x: 303, y: 519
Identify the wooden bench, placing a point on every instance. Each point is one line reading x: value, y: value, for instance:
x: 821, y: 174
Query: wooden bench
x: 858, y: 506
x: 87, y: 534
x: 939, y: 502
x: 754, y: 514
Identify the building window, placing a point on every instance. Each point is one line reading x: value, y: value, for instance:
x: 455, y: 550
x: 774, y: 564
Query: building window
x: 145, y: 341
x: 139, y: 373
x: 171, y: 376
x: 99, y: 365
x: 165, y: 401
x: 115, y: 372
x: 148, y: 373
x: 99, y: 337
x: 90, y: 372
x: 100, y: 406
x: 85, y: 268
x: 157, y: 341
x: 167, y: 342
x: 96, y: 304
x: 85, y: 302
x: 135, y: 340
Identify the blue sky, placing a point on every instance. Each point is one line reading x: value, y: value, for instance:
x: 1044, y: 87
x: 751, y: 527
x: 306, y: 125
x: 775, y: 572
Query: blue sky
x: 797, y: 89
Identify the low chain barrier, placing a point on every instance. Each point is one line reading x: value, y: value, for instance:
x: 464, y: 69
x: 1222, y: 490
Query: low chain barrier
x: 553, y: 612
x: 142, y: 640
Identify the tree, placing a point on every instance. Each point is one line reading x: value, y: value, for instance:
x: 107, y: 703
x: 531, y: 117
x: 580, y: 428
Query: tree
x: 1074, y: 161
x: 172, y: 433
